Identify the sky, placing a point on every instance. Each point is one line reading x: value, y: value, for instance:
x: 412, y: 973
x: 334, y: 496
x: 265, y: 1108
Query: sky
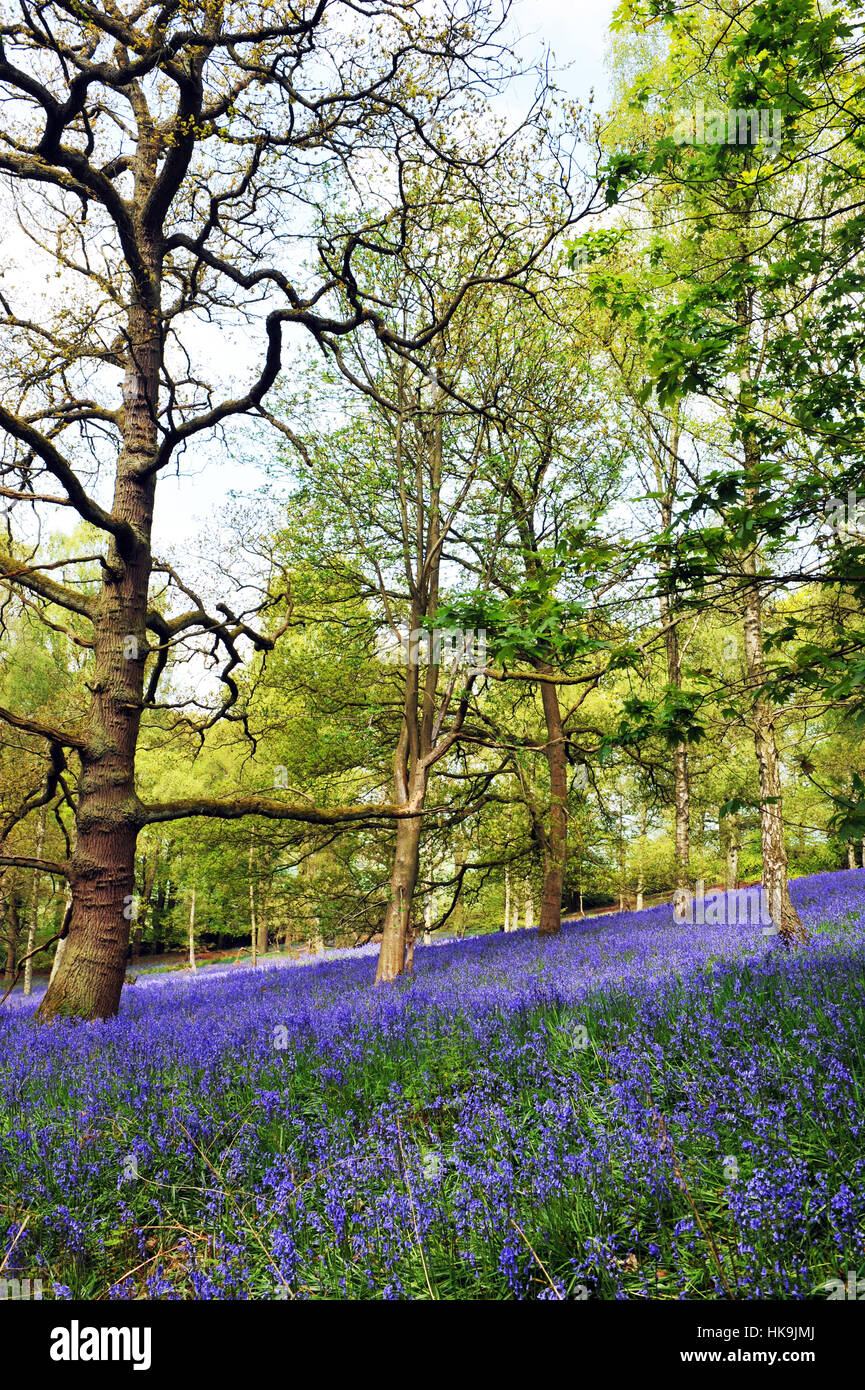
x: 576, y: 31
x: 193, y: 495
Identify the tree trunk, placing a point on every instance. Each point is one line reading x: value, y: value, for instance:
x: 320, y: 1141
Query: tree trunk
x: 530, y: 906
x: 263, y: 924
x: 253, y: 928
x: 64, y: 933
x: 621, y: 853
x: 191, y: 933
x: 682, y: 795
x: 641, y: 857
x: 557, y: 839
x: 420, y: 743
x: 162, y: 904
x: 512, y: 909
x: 410, y: 940
x: 34, y: 910
x: 734, y: 845
x: 90, y: 979
x: 403, y: 880
x: 666, y: 473
x: 851, y: 855
x: 775, y: 883
x: 58, y: 958
x: 144, y: 907
x: 13, y: 927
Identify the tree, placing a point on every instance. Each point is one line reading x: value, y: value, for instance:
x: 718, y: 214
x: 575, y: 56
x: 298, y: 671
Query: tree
x: 162, y: 158
x: 735, y: 279
x: 552, y: 465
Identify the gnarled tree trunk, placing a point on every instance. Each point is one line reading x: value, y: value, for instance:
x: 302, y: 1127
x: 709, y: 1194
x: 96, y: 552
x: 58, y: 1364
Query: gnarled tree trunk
x: 90, y: 977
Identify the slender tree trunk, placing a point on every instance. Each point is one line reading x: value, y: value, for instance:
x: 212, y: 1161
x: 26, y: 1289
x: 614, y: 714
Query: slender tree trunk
x: 64, y: 934
x: 34, y: 910
x: 774, y: 853
x: 734, y: 845
x: 775, y: 883
x: 512, y: 912
x: 11, y: 953
x: 253, y: 929
x: 851, y: 855
x: 144, y: 907
x: 506, y: 926
x: 621, y: 853
x: 313, y: 878
x: 13, y: 927
x: 557, y: 840
x: 427, y: 923
x: 58, y: 958
x: 666, y: 472
x: 90, y: 979
x: 163, y: 895
x: 191, y: 934
x: 682, y: 831
x: 459, y: 913
x: 530, y: 906
x: 410, y: 943
x: 263, y: 933
x: 641, y: 858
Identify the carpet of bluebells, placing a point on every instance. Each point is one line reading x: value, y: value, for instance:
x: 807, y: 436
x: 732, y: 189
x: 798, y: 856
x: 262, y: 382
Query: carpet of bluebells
x: 632, y: 1109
